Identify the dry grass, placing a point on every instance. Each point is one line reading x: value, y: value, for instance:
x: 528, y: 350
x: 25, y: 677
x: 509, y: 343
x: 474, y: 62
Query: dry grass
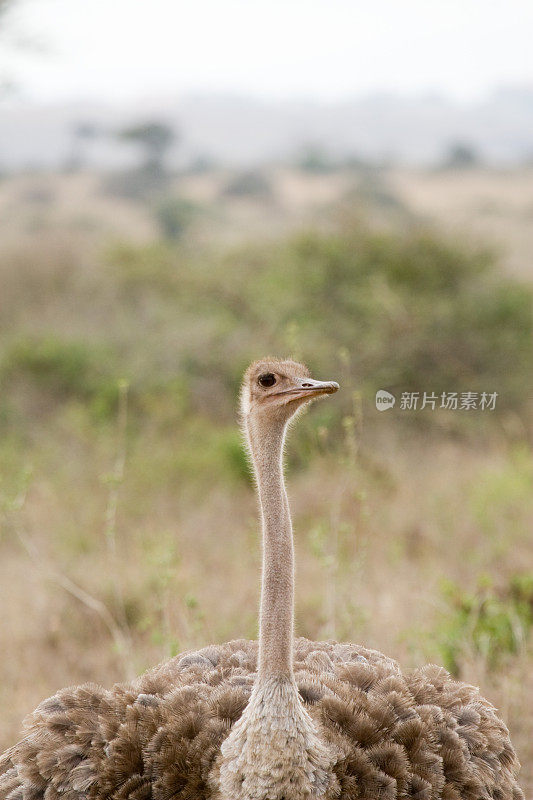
x: 489, y: 206
x: 494, y: 207
x: 376, y: 536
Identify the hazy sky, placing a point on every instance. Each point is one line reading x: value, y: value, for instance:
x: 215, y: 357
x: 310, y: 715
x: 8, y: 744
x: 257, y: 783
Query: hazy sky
x: 324, y: 49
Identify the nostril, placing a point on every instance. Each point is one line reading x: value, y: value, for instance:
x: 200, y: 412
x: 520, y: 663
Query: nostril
x: 307, y: 385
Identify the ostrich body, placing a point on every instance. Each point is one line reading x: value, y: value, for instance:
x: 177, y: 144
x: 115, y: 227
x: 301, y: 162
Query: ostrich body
x: 283, y: 719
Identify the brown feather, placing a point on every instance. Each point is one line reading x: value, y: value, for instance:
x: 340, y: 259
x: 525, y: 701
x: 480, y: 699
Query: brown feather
x: 416, y: 735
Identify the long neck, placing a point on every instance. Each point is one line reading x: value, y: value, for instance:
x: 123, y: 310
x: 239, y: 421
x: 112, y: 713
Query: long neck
x: 277, y: 588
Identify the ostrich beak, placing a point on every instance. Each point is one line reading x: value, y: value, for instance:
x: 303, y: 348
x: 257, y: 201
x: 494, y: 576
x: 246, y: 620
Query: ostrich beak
x: 308, y: 388
x: 312, y: 387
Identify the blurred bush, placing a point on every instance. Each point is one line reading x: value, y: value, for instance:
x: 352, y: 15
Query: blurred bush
x: 248, y: 184
x: 173, y: 216
x: 403, y: 312
x: 140, y: 184
x: 461, y: 155
x: 491, y: 622
x: 315, y: 159
x: 497, y: 497
x: 64, y: 370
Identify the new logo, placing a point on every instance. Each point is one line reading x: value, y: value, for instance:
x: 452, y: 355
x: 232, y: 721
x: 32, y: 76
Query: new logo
x: 384, y: 400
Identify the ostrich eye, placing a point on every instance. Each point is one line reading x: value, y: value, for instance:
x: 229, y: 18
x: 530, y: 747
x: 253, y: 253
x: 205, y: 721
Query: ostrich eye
x: 268, y: 379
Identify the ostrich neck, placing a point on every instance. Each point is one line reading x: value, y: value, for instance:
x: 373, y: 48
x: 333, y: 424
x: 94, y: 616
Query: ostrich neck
x: 277, y: 587
x: 274, y: 750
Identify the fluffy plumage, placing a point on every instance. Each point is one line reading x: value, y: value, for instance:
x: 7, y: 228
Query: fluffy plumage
x: 420, y: 735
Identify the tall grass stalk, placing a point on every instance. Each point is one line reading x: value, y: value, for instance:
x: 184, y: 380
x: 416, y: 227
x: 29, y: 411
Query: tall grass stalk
x: 115, y: 481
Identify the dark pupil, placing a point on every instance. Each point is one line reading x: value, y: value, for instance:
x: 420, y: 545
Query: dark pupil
x: 267, y: 380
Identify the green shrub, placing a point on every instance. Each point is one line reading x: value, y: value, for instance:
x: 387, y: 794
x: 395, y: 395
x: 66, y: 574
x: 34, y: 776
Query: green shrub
x: 65, y: 370
x: 413, y: 313
x: 491, y: 622
x: 173, y: 216
x: 402, y: 312
x: 499, y: 496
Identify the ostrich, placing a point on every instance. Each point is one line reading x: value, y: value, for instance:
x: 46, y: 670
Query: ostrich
x: 283, y: 719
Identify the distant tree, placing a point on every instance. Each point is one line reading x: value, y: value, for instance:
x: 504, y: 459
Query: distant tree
x: 81, y: 135
x: 85, y: 131
x: 154, y: 139
x: 314, y: 159
x: 461, y: 155
x: 150, y: 179
x: 354, y: 162
x: 201, y: 164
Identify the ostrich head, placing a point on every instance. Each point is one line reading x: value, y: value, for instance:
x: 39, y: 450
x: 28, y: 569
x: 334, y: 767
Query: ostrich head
x: 276, y: 389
